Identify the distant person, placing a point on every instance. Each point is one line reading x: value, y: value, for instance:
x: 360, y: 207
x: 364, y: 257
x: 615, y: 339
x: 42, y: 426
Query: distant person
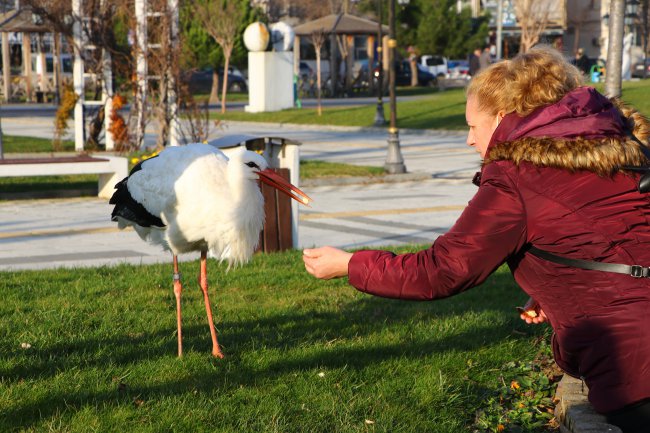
x: 485, y: 58
x: 475, y: 62
x: 582, y: 62
x: 556, y: 203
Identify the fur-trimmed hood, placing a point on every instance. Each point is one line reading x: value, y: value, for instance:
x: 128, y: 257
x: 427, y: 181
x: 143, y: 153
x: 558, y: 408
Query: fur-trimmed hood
x: 582, y: 131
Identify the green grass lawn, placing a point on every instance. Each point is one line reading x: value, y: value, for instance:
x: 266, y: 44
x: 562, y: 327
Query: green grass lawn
x: 18, y: 144
x: 314, y: 169
x: 39, y: 187
x: 203, y: 98
x: 635, y: 93
x: 439, y: 110
x: 302, y: 355
x: 444, y: 110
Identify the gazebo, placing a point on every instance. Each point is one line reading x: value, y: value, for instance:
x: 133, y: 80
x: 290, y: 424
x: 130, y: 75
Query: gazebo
x: 342, y: 28
x: 22, y: 21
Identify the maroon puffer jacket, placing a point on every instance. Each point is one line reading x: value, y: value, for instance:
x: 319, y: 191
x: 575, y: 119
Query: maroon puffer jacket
x: 562, y: 195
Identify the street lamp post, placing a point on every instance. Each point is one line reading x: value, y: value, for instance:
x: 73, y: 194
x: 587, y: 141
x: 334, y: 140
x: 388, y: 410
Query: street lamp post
x: 631, y: 9
x: 394, y: 161
x: 379, y: 115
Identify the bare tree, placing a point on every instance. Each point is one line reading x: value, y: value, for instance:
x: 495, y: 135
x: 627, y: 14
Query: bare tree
x: 197, y: 126
x: 308, y: 9
x: 533, y: 18
x: 578, y: 18
x: 338, y: 6
x: 163, y: 66
x: 344, y: 49
x: 318, y: 39
x: 97, y: 24
x: 221, y: 20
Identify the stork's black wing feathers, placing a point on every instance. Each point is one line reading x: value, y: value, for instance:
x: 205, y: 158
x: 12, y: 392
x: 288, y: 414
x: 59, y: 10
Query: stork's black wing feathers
x: 129, y: 209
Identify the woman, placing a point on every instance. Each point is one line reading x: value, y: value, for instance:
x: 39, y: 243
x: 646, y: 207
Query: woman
x: 551, y: 179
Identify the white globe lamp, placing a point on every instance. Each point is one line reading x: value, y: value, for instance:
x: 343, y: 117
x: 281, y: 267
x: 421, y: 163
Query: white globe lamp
x: 256, y: 36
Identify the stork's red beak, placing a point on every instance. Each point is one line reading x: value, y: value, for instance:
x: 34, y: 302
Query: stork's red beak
x: 269, y: 177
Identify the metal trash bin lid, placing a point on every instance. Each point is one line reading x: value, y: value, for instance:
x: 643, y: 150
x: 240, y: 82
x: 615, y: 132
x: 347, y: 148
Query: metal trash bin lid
x: 252, y: 142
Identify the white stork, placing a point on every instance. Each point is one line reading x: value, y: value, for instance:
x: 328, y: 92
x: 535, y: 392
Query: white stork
x: 194, y: 198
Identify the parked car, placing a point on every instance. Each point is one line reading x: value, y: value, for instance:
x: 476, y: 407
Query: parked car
x: 437, y: 65
x: 403, y: 74
x: 306, y: 72
x: 638, y: 69
x: 458, y: 69
x: 200, y: 81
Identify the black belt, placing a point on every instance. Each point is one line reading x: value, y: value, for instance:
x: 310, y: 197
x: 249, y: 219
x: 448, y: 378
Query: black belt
x: 636, y: 271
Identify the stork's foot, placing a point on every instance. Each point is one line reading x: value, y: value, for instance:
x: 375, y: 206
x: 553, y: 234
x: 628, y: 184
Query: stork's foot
x: 217, y: 353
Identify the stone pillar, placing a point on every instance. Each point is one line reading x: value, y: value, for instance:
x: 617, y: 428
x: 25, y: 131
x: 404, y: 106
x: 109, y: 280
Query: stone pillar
x: 43, y: 81
x: 6, y: 67
x: 27, y: 64
x: 78, y: 79
x: 296, y: 55
x: 141, y: 69
x: 174, y: 127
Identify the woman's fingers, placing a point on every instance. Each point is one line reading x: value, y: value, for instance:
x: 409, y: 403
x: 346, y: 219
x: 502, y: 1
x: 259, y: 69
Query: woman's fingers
x: 532, y: 312
x: 326, y: 262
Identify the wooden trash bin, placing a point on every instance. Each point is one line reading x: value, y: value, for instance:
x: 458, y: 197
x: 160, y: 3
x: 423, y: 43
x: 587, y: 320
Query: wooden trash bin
x: 277, y: 233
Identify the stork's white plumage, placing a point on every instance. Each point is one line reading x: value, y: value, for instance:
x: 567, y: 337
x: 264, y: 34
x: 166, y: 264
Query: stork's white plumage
x: 194, y: 198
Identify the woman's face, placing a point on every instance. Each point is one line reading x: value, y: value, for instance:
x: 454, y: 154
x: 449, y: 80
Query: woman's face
x: 481, y: 126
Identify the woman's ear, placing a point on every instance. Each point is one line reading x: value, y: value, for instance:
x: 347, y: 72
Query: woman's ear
x: 500, y: 117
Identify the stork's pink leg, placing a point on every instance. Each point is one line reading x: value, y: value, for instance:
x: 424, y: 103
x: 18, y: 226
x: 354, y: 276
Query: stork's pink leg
x: 178, y: 288
x: 203, y: 281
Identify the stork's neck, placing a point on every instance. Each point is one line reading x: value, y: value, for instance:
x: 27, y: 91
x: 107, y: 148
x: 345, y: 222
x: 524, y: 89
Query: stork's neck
x: 240, y: 186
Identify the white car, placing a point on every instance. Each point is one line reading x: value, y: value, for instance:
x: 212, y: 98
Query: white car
x: 437, y: 65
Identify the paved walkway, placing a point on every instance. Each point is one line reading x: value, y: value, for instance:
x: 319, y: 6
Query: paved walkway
x: 38, y: 234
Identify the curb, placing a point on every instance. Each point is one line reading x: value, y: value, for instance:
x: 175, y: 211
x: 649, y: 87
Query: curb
x: 365, y: 180
x: 575, y: 413
x: 388, y: 178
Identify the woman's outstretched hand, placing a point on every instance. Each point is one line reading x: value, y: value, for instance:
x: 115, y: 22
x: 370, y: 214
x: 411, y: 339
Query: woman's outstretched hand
x: 326, y: 262
x: 533, y: 313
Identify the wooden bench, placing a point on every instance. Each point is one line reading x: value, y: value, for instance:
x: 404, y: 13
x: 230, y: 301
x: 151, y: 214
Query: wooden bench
x: 111, y: 169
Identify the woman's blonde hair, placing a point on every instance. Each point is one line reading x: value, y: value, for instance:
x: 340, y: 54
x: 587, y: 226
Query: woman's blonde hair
x: 542, y: 76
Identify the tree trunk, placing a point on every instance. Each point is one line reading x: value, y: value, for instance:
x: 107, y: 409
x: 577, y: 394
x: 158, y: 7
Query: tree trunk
x: 615, y: 49
x: 214, y: 90
x: 413, y: 62
x: 318, y: 81
x: 224, y: 88
x: 644, y: 26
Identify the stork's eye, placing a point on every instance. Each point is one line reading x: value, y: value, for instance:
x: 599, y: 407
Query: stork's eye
x: 252, y: 164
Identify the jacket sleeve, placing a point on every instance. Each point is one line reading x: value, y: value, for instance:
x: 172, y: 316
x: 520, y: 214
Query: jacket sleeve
x: 491, y: 228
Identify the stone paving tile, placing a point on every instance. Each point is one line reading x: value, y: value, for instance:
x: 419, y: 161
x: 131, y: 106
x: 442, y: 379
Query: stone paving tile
x: 574, y: 411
